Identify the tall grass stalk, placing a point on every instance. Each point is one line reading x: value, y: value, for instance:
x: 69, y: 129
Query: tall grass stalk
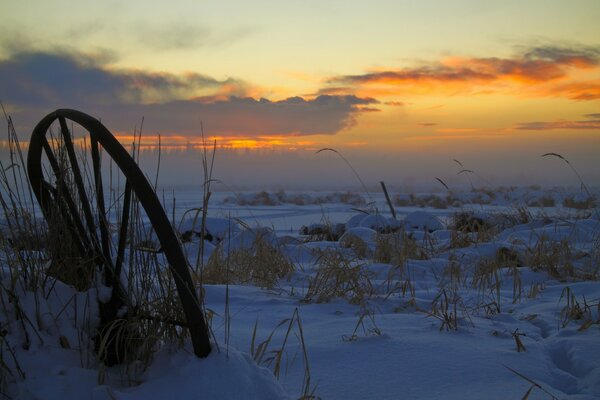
x: 351, y: 168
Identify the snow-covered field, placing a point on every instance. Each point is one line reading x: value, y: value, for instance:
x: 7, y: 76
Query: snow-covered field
x: 482, y: 298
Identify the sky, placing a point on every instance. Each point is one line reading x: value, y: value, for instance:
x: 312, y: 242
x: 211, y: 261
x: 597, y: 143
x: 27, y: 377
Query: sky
x: 401, y: 89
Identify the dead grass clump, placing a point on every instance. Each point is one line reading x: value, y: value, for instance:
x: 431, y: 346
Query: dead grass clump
x: 553, y: 257
x: 260, y: 264
x: 487, y: 279
x: 469, y: 229
x: 430, y: 200
x: 517, y: 216
x: 271, y: 355
x: 467, y: 222
x: 281, y: 197
x: 351, y: 198
x: 68, y: 263
x: 128, y: 340
x: 256, y: 199
x: 482, y: 199
x: 453, y: 275
x: 445, y: 307
x: 580, y: 203
x: 366, y: 323
x: 338, y: 277
x: 359, y: 247
x: 507, y: 257
x: 433, y: 201
x: 544, y: 201
x: 397, y: 248
x: 535, y: 290
x: 460, y: 239
x: 324, y: 231
x: 405, y: 201
x: 576, y: 311
x: 22, y: 231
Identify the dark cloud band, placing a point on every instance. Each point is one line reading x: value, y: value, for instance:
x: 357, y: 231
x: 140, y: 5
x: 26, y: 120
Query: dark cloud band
x: 35, y: 83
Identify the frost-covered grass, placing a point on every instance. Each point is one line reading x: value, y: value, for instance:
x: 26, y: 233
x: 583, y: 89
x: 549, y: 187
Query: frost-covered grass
x: 423, y: 315
x: 488, y: 303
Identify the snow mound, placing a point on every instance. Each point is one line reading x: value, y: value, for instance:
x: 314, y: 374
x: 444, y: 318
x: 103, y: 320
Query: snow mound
x: 216, y: 229
x: 365, y: 234
x: 360, y: 240
x: 380, y: 223
x: 355, y: 220
x: 422, y: 221
x: 246, y: 239
x: 220, y: 376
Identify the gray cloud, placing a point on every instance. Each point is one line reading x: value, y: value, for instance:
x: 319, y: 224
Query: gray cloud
x: 588, y: 124
x: 562, y: 54
x: 36, y: 78
x: 36, y: 83
x: 237, y: 116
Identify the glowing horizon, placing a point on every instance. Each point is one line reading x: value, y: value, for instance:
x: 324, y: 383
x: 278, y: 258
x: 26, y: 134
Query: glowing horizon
x: 389, y: 78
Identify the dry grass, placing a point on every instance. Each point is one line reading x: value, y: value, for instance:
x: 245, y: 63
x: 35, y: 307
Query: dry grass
x: 468, y: 229
x: 338, y: 277
x: 553, y: 257
x: 534, y: 385
x: 580, y: 204
x: 430, y: 200
x: 574, y: 310
x: 325, y: 231
x: 261, y: 264
x: 357, y: 245
x: 445, y: 307
x: 518, y: 342
x: 263, y: 352
x: 366, y: 323
x: 544, y: 201
x: 397, y: 248
x: 487, y: 280
x: 151, y: 314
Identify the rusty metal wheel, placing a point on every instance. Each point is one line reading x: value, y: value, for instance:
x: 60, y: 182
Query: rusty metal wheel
x: 65, y: 185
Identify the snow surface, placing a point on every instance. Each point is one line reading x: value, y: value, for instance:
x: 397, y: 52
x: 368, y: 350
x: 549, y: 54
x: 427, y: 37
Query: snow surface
x: 388, y: 346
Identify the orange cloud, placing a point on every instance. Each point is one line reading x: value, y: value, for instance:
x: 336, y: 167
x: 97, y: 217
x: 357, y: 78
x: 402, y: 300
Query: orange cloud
x: 577, y: 90
x: 544, y: 71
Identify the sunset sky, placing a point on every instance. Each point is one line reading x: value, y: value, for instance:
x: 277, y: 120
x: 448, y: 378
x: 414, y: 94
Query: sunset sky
x: 401, y: 88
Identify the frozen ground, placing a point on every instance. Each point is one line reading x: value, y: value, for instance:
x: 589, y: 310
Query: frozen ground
x: 499, y: 306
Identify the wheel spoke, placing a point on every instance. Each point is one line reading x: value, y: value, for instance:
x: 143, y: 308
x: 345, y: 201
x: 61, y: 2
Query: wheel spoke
x: 96, y: 161
x: 123, y: 229
x: 62, y: 193
x: 78, y: 179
